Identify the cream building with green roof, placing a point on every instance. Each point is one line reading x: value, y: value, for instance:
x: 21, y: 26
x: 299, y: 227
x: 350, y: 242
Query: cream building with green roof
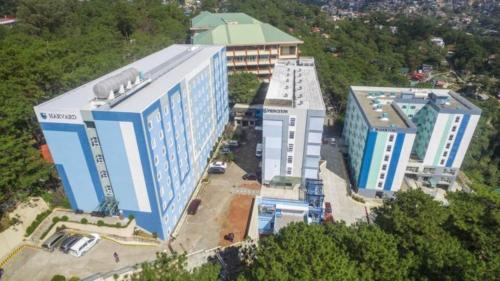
x: 252, y: 46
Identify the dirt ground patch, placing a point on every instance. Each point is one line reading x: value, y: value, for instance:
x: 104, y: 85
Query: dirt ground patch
x: 251, y: 185
x: 237, y: 219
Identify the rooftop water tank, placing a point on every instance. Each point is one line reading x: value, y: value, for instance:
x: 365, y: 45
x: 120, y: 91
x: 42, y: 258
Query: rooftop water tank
x: 112, y: 84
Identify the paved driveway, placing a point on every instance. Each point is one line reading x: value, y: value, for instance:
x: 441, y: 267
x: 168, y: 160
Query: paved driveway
x: 335, y: 182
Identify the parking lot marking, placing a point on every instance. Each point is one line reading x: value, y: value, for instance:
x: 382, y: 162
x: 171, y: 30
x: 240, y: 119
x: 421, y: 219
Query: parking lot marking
x: 15, y: 252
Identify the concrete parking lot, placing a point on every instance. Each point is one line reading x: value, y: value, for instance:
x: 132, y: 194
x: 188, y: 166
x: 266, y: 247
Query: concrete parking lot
x: 223, y: 197
x: 37, y: 264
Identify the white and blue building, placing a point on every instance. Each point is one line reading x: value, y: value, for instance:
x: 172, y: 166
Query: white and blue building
x: 137, y: 140
x: 393, y: 133
x: 293, y: 118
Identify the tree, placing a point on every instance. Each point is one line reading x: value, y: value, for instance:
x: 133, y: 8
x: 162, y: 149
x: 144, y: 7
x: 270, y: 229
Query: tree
x: 301, y: 252
x: 173, y: 267
x: 243, y: 87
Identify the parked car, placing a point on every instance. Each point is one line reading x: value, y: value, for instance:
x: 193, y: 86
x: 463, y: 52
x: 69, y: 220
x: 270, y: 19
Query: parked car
x: 68, y: 242
x: 258, y: 150
x: 328, y: 208
x: 225, y: 150
x: 193, y: 206
x: 233, y: 143
x: 328, y: 216
x: 53, y: 241
x: 250, y: 177
x: 84, y: 244
x: 216, y: 170
x: 218, y: 164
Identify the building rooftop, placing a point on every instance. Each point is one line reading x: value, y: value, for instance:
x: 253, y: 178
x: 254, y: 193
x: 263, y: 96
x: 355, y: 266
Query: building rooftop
x: 295, y: 84
x: 236, y: 29
x: 171, y: 64
x: 380, y: 105
x: 209, y: 20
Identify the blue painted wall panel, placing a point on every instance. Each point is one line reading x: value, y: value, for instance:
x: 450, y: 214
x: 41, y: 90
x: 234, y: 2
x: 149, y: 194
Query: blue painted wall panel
x: 367, y: 159
x: 394, y: 161
x: 67, y: 150
x: 115, y: 156
x: 458, y: 140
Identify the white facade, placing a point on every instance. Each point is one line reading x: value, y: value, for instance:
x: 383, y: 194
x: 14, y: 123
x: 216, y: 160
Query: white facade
x: 293, y: 117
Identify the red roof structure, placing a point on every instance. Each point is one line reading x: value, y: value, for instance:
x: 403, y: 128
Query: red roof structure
x: 45, y: 152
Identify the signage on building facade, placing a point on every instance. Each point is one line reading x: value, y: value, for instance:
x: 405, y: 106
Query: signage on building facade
x: 59, y: 117
x: 275, y: 110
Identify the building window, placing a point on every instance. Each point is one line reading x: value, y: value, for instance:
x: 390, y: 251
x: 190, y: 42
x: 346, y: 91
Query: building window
x: 389, y: 147
x: 103, y: 174
x: 451, y: 137
x: 445, y: 154
x: 150, y: 125
x: 442, y: 162
x: 386, y: 158
x: 161, y: 135
x: 158, y: 175
x: 412, y: 107
x: 158, y: 117
x: 379, y: 184
x: 94, y: 141
x: 163, y: 150
x: 404, y: 106
x: 153, y: 143
x: 165, y: 207
x: 292, y: 135
x: 290, y: 159
x: 457, y: 119
x: 391, y: 138
x: 382, y: 176
x: 99, y: 158
x: 454, y: 128
x: 290, y: 147
x: 165, y: 167
x: 165, y: 109
x: 448, y: 145
x: 292, y: 121
x: 156, y: 160
x: 384, y: 167
x: 289, y: 171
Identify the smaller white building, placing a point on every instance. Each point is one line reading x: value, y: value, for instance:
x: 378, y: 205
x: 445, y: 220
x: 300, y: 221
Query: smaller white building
x: 438, y: 41
x: 293, y: 117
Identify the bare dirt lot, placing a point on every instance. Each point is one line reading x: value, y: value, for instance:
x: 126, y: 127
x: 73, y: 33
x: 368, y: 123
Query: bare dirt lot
x: 236, y: 219
x: 226, y: 201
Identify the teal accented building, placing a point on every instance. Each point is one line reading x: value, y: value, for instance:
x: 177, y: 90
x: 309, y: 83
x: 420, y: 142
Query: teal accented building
x: 391, y: 133
x: 252, y: 46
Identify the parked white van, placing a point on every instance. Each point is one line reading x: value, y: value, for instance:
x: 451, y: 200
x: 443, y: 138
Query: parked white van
x: 84, y: 244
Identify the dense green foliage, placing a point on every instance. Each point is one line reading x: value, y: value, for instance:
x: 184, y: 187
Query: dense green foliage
x: 38, y: 220
x: 413, y: 238
x: 173, y: 268
x: 243, y: 87
x: 57, y: 46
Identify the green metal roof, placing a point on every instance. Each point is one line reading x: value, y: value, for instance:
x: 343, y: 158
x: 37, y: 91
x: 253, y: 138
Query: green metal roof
x: 237, y: 29
x: 207, y: 19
